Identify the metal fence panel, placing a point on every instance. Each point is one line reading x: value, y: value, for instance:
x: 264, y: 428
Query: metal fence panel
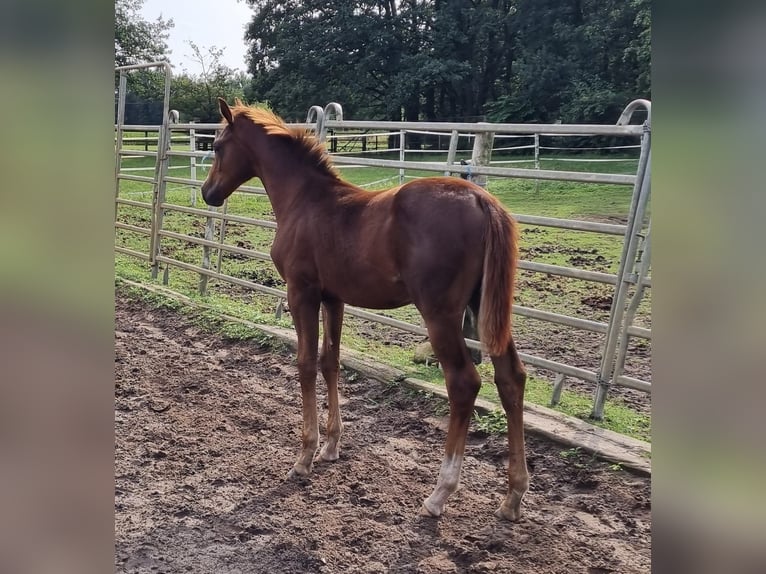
x: 633, y: 265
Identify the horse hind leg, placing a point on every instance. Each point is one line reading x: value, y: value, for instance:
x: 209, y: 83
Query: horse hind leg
x: 329, y: 361
x: 463, y: 382
x: 510, y: 378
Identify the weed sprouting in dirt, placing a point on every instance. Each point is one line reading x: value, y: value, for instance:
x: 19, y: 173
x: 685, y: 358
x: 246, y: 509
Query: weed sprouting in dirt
x: 494, y: 422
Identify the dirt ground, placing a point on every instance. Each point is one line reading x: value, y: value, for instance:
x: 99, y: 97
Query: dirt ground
x: 207, y: 429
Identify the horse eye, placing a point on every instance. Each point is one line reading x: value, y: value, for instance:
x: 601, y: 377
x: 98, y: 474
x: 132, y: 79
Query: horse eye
x: 216, y: 146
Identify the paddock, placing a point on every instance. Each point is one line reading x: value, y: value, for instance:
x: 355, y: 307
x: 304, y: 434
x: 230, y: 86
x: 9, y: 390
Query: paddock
x: 206, y: 430
x: 207, y: 427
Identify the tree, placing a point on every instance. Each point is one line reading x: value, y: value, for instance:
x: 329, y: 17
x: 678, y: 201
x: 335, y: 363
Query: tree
x: 195, y: 96
x: 138, y: 41
x: 576, y: 60
x: 311, y: 52
x: 135, y: 39
x: 407, y: 59
x: 508, y: 60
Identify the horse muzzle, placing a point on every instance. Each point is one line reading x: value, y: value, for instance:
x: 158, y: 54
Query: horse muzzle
x: 210, y: 196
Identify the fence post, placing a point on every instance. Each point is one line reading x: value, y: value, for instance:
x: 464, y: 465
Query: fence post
x: 401, y: 155
x: 481, y: 154
x: 537, y: 159
x: 193, y: 163
x: 452, y: 150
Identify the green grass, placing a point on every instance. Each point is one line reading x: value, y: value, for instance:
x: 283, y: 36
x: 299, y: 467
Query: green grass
x: 561, y: 247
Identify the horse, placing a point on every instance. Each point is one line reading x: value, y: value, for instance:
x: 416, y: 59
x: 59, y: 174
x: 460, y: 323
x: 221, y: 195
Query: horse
x: 443, y: 244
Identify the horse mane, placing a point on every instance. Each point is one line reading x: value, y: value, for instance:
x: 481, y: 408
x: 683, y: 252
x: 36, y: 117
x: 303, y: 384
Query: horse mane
x: 303, y: 142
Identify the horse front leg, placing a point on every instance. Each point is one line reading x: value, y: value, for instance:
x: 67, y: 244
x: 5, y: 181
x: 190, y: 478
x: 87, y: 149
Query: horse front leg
x: 329, y: 361
x: 304, y: 307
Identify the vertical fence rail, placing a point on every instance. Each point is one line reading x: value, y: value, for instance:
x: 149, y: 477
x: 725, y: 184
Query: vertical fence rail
x: 209, y: 235
x: 163, y: 146
x: 402, y: 134
x: 630, y: 314
x: 193, y: 165
x: 537, y: 160
x: 222, y: 235
x: 121, y: 93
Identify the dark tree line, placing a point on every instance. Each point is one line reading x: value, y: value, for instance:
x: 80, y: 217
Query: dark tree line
x: 501, y: 60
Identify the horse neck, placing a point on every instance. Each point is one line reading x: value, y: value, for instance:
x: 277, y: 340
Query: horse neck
x: 285, y: 177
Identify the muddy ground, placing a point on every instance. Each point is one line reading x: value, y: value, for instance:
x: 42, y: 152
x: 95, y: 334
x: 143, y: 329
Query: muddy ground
x: 207, y: 429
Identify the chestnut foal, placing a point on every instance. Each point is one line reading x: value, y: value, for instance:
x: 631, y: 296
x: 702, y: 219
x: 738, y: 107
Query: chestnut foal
x: 443, y: 244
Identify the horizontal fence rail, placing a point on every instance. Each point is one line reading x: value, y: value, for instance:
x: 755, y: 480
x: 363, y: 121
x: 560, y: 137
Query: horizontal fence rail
x: 630, y: 275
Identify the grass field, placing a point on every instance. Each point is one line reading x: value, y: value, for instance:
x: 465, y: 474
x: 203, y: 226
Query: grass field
x: 545, y: 245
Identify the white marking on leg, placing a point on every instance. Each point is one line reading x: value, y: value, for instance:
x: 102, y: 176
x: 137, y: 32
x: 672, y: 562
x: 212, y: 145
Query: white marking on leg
x: 449, y: 479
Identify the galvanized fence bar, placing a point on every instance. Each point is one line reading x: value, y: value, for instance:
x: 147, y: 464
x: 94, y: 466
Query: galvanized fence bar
x: 193, y: 166
x: 131, y: 252
x: 402, y: 135
x: 570, y: 272
x: 573, y: 224
x: 221, y: 276
x: 139, y: 178
x: 218, y: 215
x: 544, y: 174
x: 121, y: 93
x: 163, y: 146
x: 635, y: 301
x: 529, y: 129
x: 133, y: 228
x: 206, y: 246
x: 209, y: 241
x: 134, y: 203
x: 222, y: 234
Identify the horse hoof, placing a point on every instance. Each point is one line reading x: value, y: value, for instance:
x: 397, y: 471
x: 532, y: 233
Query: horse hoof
x: 429, y: 511
x: 510, y: 514
x: 328, y: 455
x: 298, y: 472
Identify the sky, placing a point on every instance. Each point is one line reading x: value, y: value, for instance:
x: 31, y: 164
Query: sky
x: 220, y: 23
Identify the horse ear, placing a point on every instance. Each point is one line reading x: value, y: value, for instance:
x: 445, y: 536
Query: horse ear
x: 225, y: 111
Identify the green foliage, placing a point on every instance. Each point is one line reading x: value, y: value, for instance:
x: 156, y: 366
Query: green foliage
x: 510, y: 60
x: 571, y: 452
x: 196, y: 96
x: 576, y: 60
x: 494, y: 422
x: 135, y: 39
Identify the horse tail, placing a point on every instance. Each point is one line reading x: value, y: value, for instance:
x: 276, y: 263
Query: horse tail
x: 500, y: 256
